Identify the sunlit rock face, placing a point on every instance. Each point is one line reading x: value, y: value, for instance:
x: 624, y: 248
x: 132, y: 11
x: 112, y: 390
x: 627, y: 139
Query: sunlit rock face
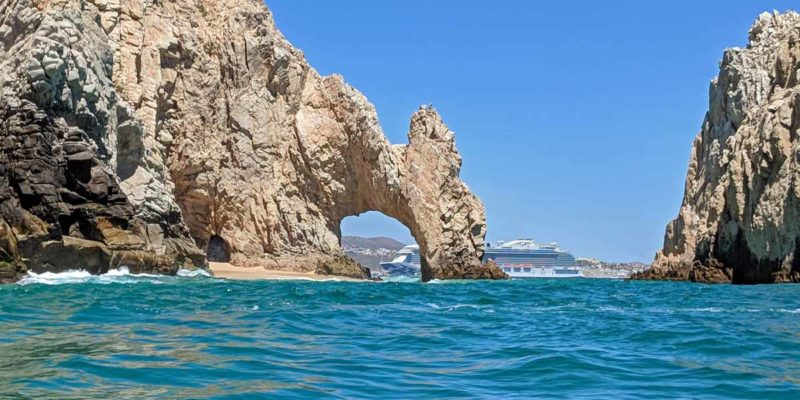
x: 740, y: 217
x: 178, y: 122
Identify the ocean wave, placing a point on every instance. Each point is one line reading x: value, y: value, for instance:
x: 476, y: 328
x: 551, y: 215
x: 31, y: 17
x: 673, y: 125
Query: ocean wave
x: 52, y: 278
x: 193, y: 273
x: 426, y: 341
x: 401, y: 279
x: 454, y: 306
x: 119, y: 275
x: 718, y: 310
x: 451, y: 281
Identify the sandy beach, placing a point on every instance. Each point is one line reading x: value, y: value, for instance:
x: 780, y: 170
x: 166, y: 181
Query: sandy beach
x: 229, y: 271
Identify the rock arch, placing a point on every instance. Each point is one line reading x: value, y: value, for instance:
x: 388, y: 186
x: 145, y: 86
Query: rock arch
x: 222, y: 128
x: 417, y: 184
x: 272, y: 156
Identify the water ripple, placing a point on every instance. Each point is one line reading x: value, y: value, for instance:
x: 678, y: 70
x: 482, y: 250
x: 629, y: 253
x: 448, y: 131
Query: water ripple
x: 127, y: 336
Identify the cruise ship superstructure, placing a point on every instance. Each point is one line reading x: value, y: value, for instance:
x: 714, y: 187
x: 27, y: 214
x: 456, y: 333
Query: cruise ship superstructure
x: 522, y: 258
x: 406, y: 263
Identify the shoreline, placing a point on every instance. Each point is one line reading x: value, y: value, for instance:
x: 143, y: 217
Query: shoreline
x: 232, y: 272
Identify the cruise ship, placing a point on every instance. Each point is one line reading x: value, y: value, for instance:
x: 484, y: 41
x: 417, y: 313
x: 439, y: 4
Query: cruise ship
x: 406, y: 263
x: 522, y: 258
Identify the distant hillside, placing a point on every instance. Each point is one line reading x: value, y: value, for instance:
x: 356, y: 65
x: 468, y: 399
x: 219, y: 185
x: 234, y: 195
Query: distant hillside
x: 369, y: 252
x: 600, y: 269
x: 375, y: 243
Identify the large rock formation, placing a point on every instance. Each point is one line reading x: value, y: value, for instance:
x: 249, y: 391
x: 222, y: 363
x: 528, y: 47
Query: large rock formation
x: 740, y: 217
x: 61, y: 205
x: 150, y: 123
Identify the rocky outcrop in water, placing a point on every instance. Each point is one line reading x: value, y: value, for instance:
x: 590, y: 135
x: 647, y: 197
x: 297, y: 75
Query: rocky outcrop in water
x: 61, y: 205
x: 134, y: 128
x: 740, y: 217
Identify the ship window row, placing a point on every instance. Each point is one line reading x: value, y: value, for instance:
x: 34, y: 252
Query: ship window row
x: 532, y: 256
x: 534, y: 263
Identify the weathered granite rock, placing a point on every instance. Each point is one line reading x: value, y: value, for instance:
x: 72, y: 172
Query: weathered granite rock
x: 740, y: 217
x: 61, y: 206
x: 10, y: 263
x: 490, y: 270
x: 189, y: 118
x: 342, y: 266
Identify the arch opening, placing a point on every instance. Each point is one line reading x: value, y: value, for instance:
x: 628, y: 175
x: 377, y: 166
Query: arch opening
x: 381, y: 243
x: 218, y: 250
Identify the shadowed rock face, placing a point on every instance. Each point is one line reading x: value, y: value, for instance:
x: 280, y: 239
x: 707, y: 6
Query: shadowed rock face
x: 61, y: 206
x: 740, y: 217
x: 203, y: 122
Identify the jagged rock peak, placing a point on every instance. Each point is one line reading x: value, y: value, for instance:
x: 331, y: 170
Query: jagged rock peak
x: 211, y: 129
x: 772, y: 26
x: 739, y: 218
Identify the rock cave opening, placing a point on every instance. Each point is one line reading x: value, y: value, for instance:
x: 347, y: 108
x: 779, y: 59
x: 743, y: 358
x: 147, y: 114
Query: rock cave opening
x: 218, y: 250
x: 372, y: 238
x: 130, y: 149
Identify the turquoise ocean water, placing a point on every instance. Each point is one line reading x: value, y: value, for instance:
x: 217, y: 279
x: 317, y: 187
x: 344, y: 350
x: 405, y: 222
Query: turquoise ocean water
x: 123, y: 336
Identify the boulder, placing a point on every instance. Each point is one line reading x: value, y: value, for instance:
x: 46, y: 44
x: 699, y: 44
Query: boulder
x: 342, y: 266
x: 70, y: 254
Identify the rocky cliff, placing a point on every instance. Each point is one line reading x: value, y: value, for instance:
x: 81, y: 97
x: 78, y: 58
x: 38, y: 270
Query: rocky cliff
x: 740, y: 217
x: 174, y: 129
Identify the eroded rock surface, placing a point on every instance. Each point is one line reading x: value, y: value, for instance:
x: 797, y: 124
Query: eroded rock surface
x: 740, y: 217
x: 197, y: 119
x: 61, y: 205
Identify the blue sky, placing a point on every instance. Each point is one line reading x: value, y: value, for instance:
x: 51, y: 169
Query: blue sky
x: 574, y: 118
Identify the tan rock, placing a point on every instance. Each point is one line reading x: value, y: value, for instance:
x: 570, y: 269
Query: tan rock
x: 137, y: 261
x: 739, y: 218
x: 342, y: 266
x: 215, y: 126
x: 268, y: 155
x: 117, y: 238
x: 10, y: 262
x: 58, y: 133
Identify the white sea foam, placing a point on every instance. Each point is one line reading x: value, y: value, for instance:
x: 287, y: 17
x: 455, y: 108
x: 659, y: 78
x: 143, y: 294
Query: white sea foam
x: 50, y: 278
x: 119, y: 275
x: 706, y: 309
x: 124, y: 271
x: 612, y: 309
x: 454, y: 281
x: 725, y: 310
x: 401, y: 279
x: 453, y: 307
x: 192, y: 273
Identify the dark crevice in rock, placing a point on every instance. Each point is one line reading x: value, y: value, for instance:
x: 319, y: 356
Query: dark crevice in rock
x: 218, y: 250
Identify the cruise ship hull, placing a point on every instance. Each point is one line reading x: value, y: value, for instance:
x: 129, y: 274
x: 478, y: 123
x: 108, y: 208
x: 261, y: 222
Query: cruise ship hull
x: 519, y: 259
x: 407, y: 262
x: 400, y: 269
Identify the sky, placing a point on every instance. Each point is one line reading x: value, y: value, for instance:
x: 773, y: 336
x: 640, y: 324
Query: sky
x: 574, y: 119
